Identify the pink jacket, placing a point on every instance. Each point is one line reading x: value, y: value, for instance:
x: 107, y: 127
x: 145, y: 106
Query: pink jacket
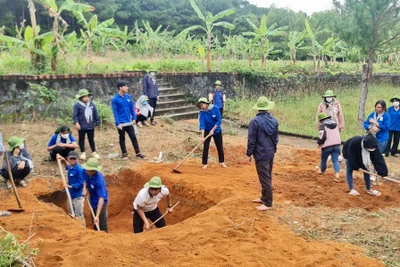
x: 337, y: 113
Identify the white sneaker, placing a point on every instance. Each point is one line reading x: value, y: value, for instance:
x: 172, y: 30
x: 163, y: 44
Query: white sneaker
x: 83, y: 156
x: 95, y: 155
x: 372, y: 178
x: 223, y: 165
x: 146, y: 124
x: 140, y: 124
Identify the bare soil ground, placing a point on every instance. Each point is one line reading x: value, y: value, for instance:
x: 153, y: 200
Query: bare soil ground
x: 314, y: 221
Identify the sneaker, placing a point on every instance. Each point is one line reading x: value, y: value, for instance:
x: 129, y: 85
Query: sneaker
x: 146, y: 124
x: 141, y: 156
x: 23, y: 183
x: 223, y: 165
x: 95, y: 155
x: 83, y: 156
x: 204, y: 166
x: 153, y: 123
x: 139, y: 124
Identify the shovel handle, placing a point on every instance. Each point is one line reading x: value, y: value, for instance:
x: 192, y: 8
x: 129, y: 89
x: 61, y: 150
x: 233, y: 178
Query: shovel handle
x: 179, y: 164
x: 12, y: 179
x: 162, y: 216
x: 92, y: 212
x: 374, y: 174
x: 71, y: 207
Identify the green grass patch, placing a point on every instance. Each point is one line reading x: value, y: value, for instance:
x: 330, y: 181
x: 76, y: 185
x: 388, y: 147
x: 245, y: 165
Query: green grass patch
x: 296, y: 114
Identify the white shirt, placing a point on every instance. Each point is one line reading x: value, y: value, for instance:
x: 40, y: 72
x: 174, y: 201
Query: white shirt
x: 147, y: 202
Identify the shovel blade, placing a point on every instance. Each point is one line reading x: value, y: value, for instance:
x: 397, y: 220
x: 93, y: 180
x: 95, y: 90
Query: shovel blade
x: 176, y: 170
x: 16, y: 210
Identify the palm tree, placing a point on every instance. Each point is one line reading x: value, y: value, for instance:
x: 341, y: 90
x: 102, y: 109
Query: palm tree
x: 210, y: 22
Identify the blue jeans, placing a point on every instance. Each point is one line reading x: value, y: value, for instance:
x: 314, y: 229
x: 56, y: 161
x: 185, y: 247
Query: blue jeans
x: 349, y: 177
x: 382, y: 146
x: 334, y: 151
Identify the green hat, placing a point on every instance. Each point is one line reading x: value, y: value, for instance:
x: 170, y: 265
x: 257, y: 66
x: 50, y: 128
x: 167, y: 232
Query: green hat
x: 14, y: 142
x: 323, y: 116
x: 395, y: 97
x: 82, y: 92
x: 218, y: 82
x: 202, y: 100
x: 92, y: 165
x: 154, y: 182
x: 329, y: 93
x: 263, y: 104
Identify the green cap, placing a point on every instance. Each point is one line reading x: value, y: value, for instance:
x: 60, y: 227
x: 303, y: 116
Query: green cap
x: 263, y: 104
x: 329, y: 93
x: 82, y: 92
x: 92, y: 165
x: 14, y: 142
x: 154, y: 182
x: 218, y: 82
x: 323, y: 116
x: 395, y: 97
x: 202, y: 100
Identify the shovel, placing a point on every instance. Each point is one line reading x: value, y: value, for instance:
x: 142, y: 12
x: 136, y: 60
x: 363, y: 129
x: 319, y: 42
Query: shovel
x: 162, y: 216
x: 71, y: 208
x: 384, y: 178
x: 179, y: 164
x: 13, y: 185
x: 92, y: 212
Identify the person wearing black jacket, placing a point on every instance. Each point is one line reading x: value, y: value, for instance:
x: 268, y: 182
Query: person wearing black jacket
x: 359, y: 152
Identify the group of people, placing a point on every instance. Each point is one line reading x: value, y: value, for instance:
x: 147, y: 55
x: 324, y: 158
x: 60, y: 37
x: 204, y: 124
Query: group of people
x: 360, y: 152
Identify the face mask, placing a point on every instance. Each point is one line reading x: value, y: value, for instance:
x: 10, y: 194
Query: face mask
x: 145, y: 102
x: 65, y: 136
x: 21, y: 146
x: 328, y: 99
x: 395, y: 103
x: 371, y: 149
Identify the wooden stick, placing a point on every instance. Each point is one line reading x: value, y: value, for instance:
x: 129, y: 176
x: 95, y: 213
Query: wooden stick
x: 163, y: 215
x: 12, y: 180
x: 71, y: 207
x: 385, y: 178
x: 179, y: 164
x: 92, y: 212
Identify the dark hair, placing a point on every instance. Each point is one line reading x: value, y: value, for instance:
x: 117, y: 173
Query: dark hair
x: 121, y: 83
x: 62, y: 129
x: 382, y: 103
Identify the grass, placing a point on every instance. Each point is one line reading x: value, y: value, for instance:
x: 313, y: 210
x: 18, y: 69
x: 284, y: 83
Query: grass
x: 296, y: 114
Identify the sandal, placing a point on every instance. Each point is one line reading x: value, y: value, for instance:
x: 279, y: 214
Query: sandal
x: 4, y: 213
x: 374, y: 192
x: 124, y: 156
x: 354, y: 192
x: 23, y: 183
x: 9, y: 185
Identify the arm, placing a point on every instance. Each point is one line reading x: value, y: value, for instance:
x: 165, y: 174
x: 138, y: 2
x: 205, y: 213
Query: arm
x: 96, y: 117
x: 252, y: 138
x: 322, y: 136
x: 145, y: 86
x: 379, y: 163
x: 340, y: 118
x: 75, y: 113
x: 79, y: 183
x: 52, y: 143
x: 169, y: 203
x: 384, y: 125
x: 84, y: 192
x: 73, y: 142
x: 319, y: 110
x: 98, y: 210
x: 143, y: 217
x: 114, y: 106
x: 132, y: 111
x: 202, y: 125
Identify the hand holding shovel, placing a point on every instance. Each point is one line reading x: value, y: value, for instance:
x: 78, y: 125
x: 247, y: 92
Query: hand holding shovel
x: 13, y: 184
x: 71, y: 208
x: 168, y: 211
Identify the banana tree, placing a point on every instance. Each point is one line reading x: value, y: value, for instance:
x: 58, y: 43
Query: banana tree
x: 296, y: 43
x: 262, y: 33
x: 210, y: 22
x: 55, y: 12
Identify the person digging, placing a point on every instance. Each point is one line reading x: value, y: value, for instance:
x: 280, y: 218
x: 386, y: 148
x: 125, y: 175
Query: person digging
x: 145, y: 205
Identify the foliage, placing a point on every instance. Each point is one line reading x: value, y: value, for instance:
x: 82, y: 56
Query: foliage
x: 105, y: 113
x: 37, y: 95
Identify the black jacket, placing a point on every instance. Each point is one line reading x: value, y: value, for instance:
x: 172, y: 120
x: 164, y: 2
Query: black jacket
x: 352, y: 152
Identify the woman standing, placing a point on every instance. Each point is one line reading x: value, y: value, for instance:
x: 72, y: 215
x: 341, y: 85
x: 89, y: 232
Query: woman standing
x: 378, y: 123
x: 394, y: 127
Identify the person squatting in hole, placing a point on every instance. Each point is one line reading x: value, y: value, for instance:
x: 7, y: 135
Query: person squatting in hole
x: 144, y: 110
x: 86, y: 119
x: 75, y: 183
x: 146, y: 205
x: 62, y: 142
x: 21, y: 163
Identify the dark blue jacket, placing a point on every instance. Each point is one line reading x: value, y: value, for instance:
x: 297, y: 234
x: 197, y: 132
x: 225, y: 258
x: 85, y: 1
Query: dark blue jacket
x: 79, y: 116
x: 263, y: 137
x: 75, y: 179
x: 149, y: 88
x: 96, y: 187
x: 209, y: 118
x: 394, y: 119
x: 123, y: 109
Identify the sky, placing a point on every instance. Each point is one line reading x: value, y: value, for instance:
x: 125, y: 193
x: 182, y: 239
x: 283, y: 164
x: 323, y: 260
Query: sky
x: 308, y: 6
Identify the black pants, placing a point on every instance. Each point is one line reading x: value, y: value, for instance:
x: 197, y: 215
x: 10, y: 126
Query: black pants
x: 90, y: 135
x: 103, y: 219
x: 264, y: 171
x: 153, y: 104
x: 142, y: 118
x: 59, y: 150
x: 218, y: 143
x: 221, y: 110
x: 131, y: 133
x: 395, y: 136
x: 17, y: 174
x: 152, y: 215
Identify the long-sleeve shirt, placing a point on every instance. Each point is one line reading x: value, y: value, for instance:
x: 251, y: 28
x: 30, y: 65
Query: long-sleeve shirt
x: 150, y: 88
x: 75, y: 179
x: 394, y: 119
x: 14, y: 161
x: 384, y: 122
x: 96, y: 187
x: 209, y: 118
x: 123, y: 109
x: 79, y: 116
x: 335, y: 111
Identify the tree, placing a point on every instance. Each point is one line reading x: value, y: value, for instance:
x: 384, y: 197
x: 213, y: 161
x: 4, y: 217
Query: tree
x: 210, y: 22
x: 370, y: 25
x: 262, y: 33
x: 295, y: 43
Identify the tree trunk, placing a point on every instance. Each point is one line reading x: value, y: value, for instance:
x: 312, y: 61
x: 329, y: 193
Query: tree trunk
x: 37, y: 61
x: 262, y: 55
x: 365, y: 79
x: 291, y: 56
x: 54, y: 50
x: 314, y: 56
x: 89, y: 52
x: 326, y: 60
x: 250, y: 58
x: 209, y: 52
x: 294, y: 57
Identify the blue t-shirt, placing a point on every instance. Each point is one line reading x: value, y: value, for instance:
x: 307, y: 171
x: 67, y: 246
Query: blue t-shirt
x: 394, y: 119
x: 209, y: 118
x: 218, y: 98
x: 75, y: 179
x: 96, y: 187
x: 123, y: 109
x: 53, y: 140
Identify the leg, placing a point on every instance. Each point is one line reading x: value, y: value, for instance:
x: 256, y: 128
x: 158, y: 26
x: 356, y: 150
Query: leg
x: 264, y: 171
x: 137, y: 222
x: 221, y: 110
x: 382, y: 146
x: 132, y: 136
x: 154, y: 215
x: 335, y: 159
x: 324, y: 157
x: 349, y: 175
x: 103, y: 218
x: 388, y: 146
x: 396, y: 139
x: 90, y: 134
x: 77, y: 204
x: 141, y: 118
x: 153, y: 104
x: 81, y: 134
x: 66, y: 151
x: 206, y: 147
x: 17, y: 174
x: 55, y: 151
x: 122, y: 140
x: 220, y: 147
x: 367, y: 180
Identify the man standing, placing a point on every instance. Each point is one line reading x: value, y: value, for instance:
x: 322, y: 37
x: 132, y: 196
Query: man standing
x: 217, y: 97
x: 125, y: 118
x: 150, y: 89
x: 262, y: 143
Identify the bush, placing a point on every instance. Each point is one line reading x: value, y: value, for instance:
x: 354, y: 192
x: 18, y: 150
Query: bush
x: 105, y: 113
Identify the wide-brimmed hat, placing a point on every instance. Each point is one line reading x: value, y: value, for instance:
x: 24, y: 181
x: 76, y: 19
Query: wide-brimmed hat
x: 14, y: 142
x: 218, y: 82
x: 323, y: 116
x: 154, y: 182
x: 395, y: 97
x: 202, y: 100
x: 263, y: 103
x: 82, y: 93
x: 92, y: 165
x: 329, y: 93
